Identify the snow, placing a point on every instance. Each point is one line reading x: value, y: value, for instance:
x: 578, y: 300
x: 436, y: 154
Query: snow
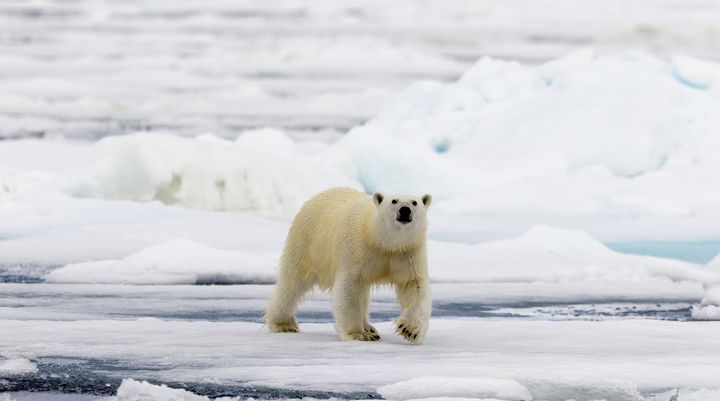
x: 16, y: 366
x: 175, y: 262
x: 540, y: 306
x: 619, y: 145
x: 49, y: 228
x: 553, y: 254
x: 453, y: 387
x: 587, y: 137
x: 260, y: 172
x: 551, y: 359
x: 115, y: 241
x: 87, y: 69
x: 715, y: 262
x: 698, y: 395
x: 709, y: 307
x: 563, y: 264
x: 132, y: 390
x: 219, y: 119
x: 699, y: 73
x: 456, y: 399
x: 566, y: 264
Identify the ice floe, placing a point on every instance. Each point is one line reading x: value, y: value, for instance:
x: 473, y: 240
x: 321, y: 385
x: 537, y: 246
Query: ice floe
x: 175, y: 262
x: 453, y: 387
x: 709, y: 307
x: 587, y: 136
x: 551, y: 254
x: 133, y: 390
x: 568, y: 261
x: 11, y: 366
x: 620, y: 145
x: 554, y: 360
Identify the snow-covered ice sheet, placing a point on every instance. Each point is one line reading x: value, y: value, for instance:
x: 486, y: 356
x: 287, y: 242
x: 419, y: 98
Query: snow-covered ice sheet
x: 556, y: 264
x: 175, y: 262
x: 49, y: 396
x: 549, y: 254
x: 553, y: 360
x: 620, y: 145
x: 89, y: 69
x: 44, y: 228
x: 709, y: 307
x: 247, y: 302
x: 454, y: 387
x: 132, y: 390
x: 13, y: 366
x: 263, y: 171
x: 51, y: 228
x: 622, y: 140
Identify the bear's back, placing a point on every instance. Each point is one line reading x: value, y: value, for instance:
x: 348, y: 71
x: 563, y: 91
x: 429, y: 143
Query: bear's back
x: 320, y: 229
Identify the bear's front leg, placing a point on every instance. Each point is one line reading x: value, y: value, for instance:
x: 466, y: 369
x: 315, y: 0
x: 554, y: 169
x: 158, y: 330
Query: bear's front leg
x: 416, y: 302
x: 350, y: 298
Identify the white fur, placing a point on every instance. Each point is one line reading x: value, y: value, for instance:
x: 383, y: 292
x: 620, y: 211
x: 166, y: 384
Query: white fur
x: 345, y: 241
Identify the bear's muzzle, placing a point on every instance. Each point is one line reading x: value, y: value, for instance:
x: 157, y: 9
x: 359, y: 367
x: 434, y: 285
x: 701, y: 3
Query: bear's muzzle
x: 404, y: 215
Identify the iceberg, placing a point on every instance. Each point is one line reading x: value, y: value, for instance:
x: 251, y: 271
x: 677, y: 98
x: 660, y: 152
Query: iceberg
x: 612, y: 137
x: 260, y: 172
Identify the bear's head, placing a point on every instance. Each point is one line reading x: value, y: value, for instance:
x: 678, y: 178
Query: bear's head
x: 403, y: 218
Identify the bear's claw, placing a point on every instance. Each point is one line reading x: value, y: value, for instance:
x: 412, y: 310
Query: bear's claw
x: 409, y: 331
x: 364, y: 336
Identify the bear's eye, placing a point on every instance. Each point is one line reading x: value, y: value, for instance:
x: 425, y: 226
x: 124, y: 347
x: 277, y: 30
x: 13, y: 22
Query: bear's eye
x: 394, y: 201
x: 414, y: 203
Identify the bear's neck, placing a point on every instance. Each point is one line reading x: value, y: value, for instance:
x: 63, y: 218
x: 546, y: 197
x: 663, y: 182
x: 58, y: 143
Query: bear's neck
x: 392, y: 240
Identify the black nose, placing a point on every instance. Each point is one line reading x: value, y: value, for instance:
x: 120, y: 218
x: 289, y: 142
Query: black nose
x: 404, y: 211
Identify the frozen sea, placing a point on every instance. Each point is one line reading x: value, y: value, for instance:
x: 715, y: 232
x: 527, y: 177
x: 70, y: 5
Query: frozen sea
x: 144, y: 201
x: 85, y: 339
x: 86, y: 69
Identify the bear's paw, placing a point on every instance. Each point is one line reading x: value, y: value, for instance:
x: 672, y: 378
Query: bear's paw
x: 362, y: 336
x: 370, y: 328
x: 410, y: 330
x: 284, y: 327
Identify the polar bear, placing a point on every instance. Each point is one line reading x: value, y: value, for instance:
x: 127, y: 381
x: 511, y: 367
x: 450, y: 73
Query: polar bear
x: 346, y: 241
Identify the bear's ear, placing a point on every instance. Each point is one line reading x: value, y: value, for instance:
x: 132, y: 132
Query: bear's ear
x: 378, y: 198
x: 427, y: 200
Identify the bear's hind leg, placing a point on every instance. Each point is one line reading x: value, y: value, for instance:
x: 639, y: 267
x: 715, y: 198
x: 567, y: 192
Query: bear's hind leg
x: 289, y: 291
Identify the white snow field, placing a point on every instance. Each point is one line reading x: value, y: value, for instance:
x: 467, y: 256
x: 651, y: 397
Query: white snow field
x: 551, y: 360
x: 533, y: 169
x: 103, y: 245
x: 622, y: 146
x: 175, y: 262
x: 92, y: 68
x: 555, y: 264
x: 16, y: 366
x: 709, y: 308
x: 153, y: 154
